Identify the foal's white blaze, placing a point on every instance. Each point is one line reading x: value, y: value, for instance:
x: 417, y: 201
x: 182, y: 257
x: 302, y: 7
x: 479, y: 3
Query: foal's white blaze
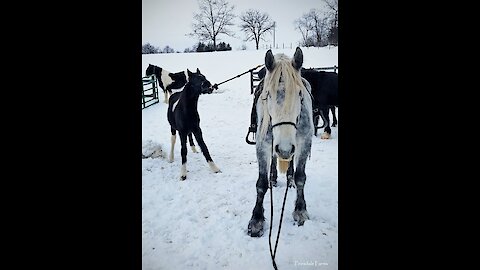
x: 173, y: 139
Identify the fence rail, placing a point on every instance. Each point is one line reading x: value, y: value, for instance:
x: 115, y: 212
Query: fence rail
x: 149, y: 91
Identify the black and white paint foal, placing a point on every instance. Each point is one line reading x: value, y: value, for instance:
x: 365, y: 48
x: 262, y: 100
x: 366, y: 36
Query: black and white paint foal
x: 183, y: 117
x: 284, y: 131
x: 167, y: 80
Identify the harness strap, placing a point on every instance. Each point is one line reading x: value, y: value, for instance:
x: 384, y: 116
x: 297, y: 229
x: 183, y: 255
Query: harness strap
x: 284, y: 123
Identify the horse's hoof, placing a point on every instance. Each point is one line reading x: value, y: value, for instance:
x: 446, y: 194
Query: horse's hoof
x: 274, y: 183
x: 325, y: 135
x: 213, y: 167
x: 300, y: 216
x: 255, y: 227
x: 183, y: 177
x: 170, y: 160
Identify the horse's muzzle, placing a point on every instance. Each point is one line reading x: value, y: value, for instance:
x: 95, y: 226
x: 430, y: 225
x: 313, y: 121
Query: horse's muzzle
x: 285, y: 153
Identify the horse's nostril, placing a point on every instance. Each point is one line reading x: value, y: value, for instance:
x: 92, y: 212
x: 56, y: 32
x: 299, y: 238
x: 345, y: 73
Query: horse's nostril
x: 276, y: 148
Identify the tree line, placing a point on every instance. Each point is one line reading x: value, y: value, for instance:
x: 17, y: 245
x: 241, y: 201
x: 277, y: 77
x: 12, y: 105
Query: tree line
x: 215, y: 18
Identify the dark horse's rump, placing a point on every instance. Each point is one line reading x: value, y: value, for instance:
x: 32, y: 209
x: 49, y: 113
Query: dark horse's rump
x: 325, y: 95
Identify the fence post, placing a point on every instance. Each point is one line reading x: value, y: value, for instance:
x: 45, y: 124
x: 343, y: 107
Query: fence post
x: 251, y: 82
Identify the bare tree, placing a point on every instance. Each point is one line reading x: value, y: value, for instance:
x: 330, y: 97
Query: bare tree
x: 214, y: 18
x: 333, y: 12
x: 314, y: 28
x: 255, y: 25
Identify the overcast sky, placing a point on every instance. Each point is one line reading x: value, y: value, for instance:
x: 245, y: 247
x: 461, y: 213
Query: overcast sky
x: 166, y: 22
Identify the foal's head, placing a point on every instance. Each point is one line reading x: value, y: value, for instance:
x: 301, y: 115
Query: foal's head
x: 282, y: 97
x: 198, y: 81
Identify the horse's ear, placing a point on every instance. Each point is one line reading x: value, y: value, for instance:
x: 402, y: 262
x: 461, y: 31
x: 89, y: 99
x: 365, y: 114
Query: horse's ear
x: 189, y: 72
x: 269, y: 60
x: 297, y: 59
x: 198, y: 71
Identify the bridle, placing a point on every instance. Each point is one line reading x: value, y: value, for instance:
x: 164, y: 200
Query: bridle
x: 285, y: 123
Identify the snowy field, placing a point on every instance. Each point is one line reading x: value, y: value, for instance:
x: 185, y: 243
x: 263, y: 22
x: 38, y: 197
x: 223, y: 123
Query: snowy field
x: 201, y: 223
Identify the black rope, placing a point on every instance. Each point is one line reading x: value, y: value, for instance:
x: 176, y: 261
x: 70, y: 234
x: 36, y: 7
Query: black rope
x: 215, y: 86
x: 271, y: 223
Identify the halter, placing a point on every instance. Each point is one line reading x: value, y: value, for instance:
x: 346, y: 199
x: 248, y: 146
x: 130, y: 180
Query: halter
x: 285, y: 123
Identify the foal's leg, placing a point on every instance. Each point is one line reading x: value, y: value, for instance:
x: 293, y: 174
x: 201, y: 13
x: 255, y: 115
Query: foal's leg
x: 334, y: 123
x: 264, y: 154
x: 300, y: 214
x: 203, y: 147
x: 192, y: 145
x: 183, y: 151
x: 172, y: 146
x: 273, y: 171
x: 327, y: 131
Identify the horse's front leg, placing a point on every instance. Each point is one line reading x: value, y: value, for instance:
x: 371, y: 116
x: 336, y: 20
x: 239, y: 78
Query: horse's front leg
x: 183, y: 151
x: 264, y: 154
x: 300, y: 214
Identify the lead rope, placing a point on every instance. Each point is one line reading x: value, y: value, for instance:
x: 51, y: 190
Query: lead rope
x: 279, y: 226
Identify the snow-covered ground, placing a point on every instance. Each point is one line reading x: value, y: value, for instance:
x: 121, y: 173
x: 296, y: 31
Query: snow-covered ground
x: 201, y: 223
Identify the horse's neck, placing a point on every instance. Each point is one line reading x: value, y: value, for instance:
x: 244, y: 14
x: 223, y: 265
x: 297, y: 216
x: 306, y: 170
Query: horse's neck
x: 190, y: 100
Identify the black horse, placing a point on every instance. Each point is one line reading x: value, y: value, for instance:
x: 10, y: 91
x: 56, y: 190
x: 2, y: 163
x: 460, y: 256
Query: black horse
x: 167, y: 80
x: 325, y: 96
x: 183, y: 117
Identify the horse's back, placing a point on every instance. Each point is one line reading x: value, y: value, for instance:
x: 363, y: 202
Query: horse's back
x: 324, y: 86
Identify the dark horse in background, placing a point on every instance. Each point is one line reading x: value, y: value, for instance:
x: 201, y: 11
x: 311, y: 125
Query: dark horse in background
x: 167, y: 80
x: 183, y: 117
x: 325, y: 96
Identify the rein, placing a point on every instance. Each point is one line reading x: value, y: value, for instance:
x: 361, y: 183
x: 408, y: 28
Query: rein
x: 272, y: 254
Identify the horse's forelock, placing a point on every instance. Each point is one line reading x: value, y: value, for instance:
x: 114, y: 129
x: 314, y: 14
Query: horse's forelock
x: 293, y: 87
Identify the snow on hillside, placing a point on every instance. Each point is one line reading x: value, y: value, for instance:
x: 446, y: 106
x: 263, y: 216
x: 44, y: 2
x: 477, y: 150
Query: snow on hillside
x: 201, y: 223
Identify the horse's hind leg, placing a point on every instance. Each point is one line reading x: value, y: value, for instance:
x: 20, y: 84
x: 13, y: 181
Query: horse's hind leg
x: 327, y: 131
x: 183, y: 151
x: 334, y: 123
x: 300, y: 214
x: 203, y: 147
x: 273, y: 171
x: 172, y: 146
x: 192, y: 145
